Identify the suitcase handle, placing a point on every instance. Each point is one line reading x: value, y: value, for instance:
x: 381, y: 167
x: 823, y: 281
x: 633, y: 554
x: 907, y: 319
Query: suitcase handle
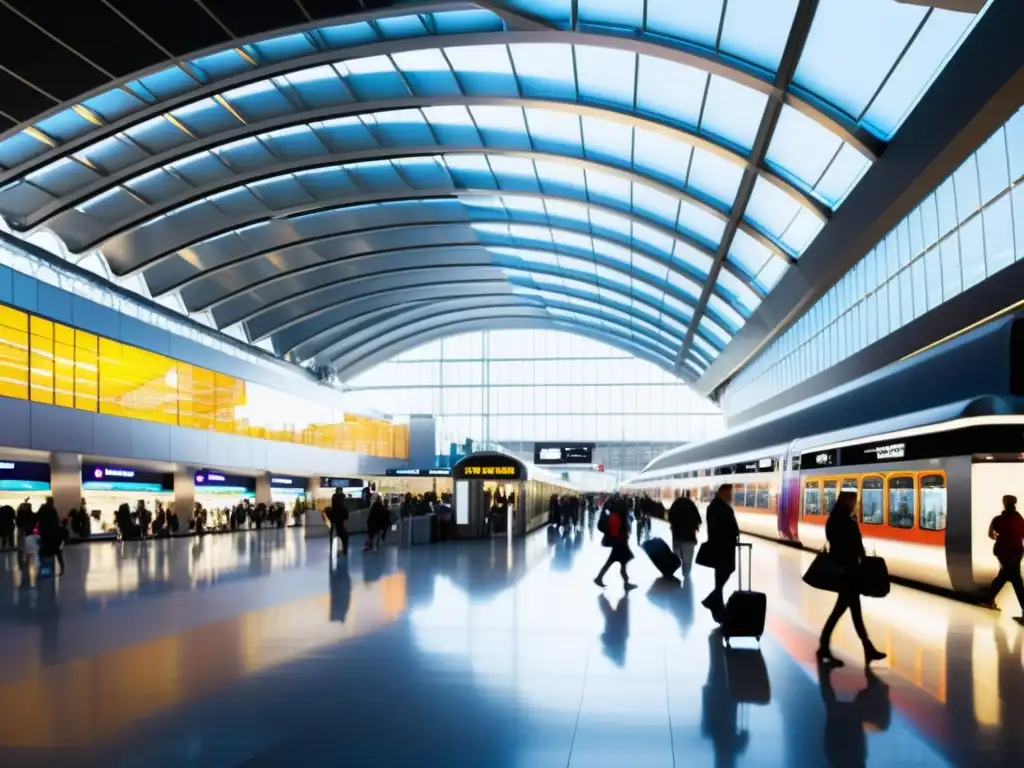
x: 740, y: 545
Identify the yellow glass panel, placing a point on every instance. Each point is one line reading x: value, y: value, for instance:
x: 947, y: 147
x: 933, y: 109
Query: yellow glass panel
x: 204, y: 402
x: 41, y: 360
x: 13, y: 318
x: 63, y: 334
x: 112, y: 385
x: 64, y: 374
x: 86, y: 372
x: 13, y: 355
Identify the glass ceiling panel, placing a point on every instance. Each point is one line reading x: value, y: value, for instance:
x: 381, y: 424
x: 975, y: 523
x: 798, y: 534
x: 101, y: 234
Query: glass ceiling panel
x: 757, y: 30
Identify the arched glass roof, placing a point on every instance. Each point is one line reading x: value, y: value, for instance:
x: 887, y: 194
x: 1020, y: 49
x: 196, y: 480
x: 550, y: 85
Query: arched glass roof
x: 678, y: 156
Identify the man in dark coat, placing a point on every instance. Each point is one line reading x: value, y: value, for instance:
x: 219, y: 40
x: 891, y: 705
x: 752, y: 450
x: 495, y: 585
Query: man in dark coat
x: 6, y: 526
x: 685, y: 521
x: 338, y: 517
x: 723, y: 536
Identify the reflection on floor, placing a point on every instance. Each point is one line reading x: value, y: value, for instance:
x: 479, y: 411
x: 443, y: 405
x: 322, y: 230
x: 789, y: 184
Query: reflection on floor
x: 250, y: 650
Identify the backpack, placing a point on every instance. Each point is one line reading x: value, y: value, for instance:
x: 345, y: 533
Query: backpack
x: 602, y: 522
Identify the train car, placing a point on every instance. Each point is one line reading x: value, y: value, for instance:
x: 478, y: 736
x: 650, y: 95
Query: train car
x: 927, y: 484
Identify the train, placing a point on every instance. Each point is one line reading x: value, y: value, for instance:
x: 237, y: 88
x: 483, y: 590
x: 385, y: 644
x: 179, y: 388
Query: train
x: 928, y: 484
x: 930, y: 444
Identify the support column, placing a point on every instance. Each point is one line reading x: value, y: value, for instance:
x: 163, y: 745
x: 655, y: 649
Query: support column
x: 263, y: 489
x: 184, y: 496
x: 65, y: 481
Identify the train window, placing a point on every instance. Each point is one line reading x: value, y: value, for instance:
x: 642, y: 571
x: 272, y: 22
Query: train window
x: 829, y: 496
x: 872, y: 507
x: 763, y: 501
x: 751, y: 495
x: 901, y: 502
x: 812, y: 498
x: 850, y: 484
x: 739, y: 495
x: 933, y: 502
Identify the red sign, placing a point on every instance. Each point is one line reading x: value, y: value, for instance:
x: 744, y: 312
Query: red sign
x: 600, y: 467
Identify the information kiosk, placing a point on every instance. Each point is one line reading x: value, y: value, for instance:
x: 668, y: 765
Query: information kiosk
x: 489, y: 495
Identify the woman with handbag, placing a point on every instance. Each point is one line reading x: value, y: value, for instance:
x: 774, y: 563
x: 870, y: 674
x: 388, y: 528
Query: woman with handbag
x: 616, y: 536
x: 847, y: 549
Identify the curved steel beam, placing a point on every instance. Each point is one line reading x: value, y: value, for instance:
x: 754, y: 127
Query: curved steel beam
x: 821, y: 111
x: 406, y: 319
x: 285, y: 168
x: 283, y: 220
x: 323, y: 239
x: 391, y: 344
x: 331, y: 287
x: 612, y: 114
x: 353, y: 252
x: 380, y: 291
x: 172, y: 205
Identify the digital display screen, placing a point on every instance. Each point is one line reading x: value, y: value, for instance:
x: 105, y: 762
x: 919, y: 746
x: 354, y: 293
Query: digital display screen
x: 563, y: 453
x: 433, y: 472
x: 236, y: 483
x: 489, y: 467
x: 288, y: 481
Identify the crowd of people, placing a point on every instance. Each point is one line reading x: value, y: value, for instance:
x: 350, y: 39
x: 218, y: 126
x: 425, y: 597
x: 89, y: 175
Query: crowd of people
x: 382, y: 515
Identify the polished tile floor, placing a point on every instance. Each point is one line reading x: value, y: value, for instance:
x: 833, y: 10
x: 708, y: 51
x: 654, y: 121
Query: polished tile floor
x: 249, y: 650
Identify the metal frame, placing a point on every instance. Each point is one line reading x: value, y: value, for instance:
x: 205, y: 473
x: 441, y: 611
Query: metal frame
x: 284, y: 274
x: 812, y: 106
x: 407, y: 320
x: 461, y: 268
x: 799, y: 32
x: 367, y: 358
x: 357, y: 109
x: 539, y: 269
x: 632, y: 218
x: 382, y: 294
x: 169, y: 206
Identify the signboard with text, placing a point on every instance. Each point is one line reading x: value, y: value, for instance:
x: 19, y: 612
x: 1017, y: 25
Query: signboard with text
x: 563, y: 453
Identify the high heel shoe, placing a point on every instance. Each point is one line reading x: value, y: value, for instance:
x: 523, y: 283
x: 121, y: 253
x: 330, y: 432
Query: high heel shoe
x: 826, y: 659
x: 873, y: 654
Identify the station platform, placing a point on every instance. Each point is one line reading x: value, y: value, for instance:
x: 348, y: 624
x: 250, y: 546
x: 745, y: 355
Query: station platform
x: 250, y: 650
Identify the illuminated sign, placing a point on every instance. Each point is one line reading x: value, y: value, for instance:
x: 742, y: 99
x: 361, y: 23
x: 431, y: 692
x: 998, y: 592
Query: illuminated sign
x: 511, y: 471
x: 222, y: 483
x: 98, y: 477
x: 894, y: 451
x: 432, y: 472
x: 341, y: 482
x: 489, y: 466
x: 563, y: 453
x: 24, y: 476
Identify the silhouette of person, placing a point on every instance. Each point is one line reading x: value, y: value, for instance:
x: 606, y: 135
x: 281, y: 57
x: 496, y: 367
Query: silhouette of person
x: 616, y: 628
x: 341, y: 594
x: 845, y: 743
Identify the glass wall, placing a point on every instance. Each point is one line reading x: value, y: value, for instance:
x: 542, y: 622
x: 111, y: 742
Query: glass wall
x: 51, y: 363
x: 504, y: 386
x: 968, y: 229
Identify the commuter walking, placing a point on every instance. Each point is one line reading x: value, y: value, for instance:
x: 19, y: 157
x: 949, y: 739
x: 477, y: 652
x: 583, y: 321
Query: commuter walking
x: 847, y: 549
x: 339, y: 519
x: 616, y: 536
x: 723, y: 536
x: 50, y: 537
x: 685, y: 521
x: 376, y: 522
x: 7, y: 526
x: 1007, y: 529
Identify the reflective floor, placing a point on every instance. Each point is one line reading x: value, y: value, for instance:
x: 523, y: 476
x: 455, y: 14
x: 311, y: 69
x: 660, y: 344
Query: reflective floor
x: 247, y: 649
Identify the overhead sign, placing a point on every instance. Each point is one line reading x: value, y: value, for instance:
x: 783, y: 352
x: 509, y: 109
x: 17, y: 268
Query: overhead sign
x: 108, y: 477
x: 563, y: 453
x: 211, y: 481
x: 341, y: 482
x: 489, y: 466
x: 432, y: 472
x: 288, y: 481
x: 24, y: 476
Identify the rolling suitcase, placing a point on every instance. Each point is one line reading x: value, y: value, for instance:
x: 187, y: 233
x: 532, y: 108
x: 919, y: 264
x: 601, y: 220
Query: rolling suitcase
x: 745, y: 612
x: 664, y: 559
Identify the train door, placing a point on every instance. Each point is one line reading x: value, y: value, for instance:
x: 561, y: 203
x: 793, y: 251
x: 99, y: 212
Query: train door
x: 789, y: 496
